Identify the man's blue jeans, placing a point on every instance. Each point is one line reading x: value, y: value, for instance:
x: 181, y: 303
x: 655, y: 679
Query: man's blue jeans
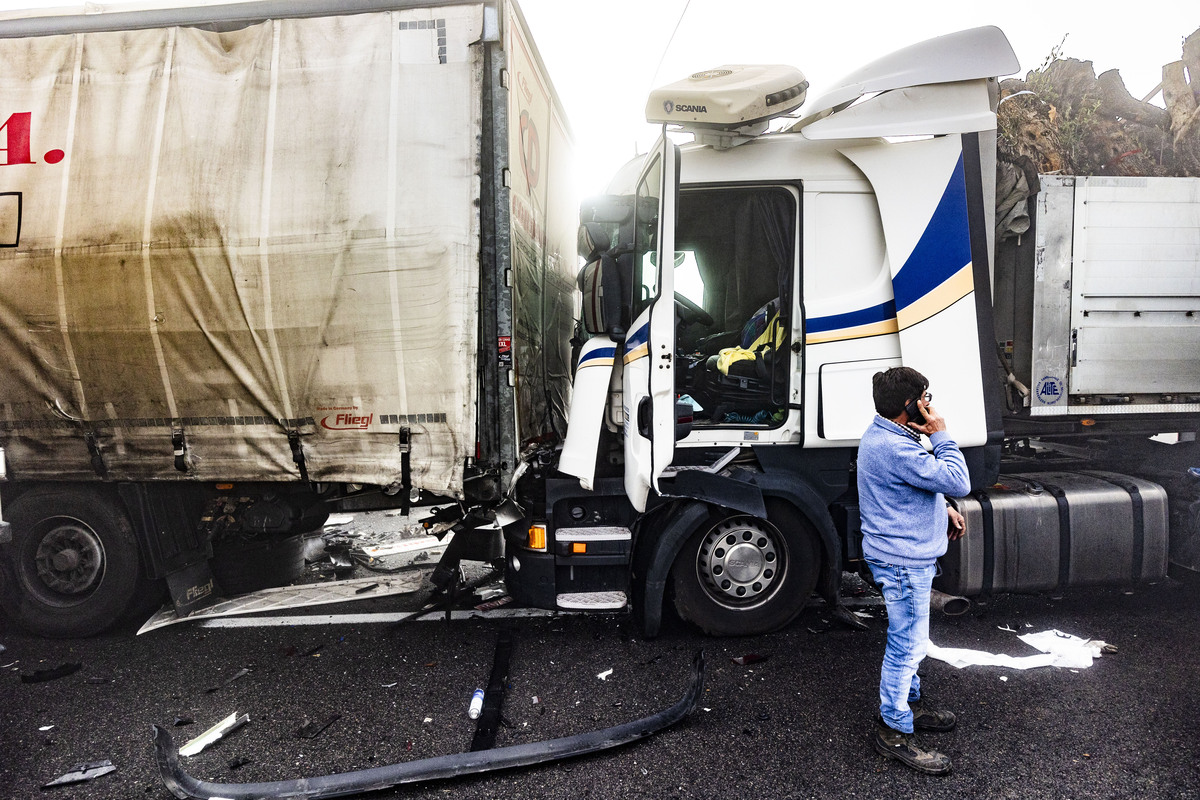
x: 906, y: 593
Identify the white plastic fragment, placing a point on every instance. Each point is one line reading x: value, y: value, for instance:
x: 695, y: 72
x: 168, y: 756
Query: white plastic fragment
x: 1006, y: 628
x: 214, y: 734
x: 604, y: 675
x: 45, y: 727
x: 1004, y: 678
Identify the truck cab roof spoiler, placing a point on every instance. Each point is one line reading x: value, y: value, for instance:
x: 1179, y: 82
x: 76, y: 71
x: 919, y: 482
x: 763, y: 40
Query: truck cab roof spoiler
x: 964, y: 55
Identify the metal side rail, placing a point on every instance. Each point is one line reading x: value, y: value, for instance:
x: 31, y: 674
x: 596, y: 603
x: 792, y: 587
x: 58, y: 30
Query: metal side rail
x: 183, y: 785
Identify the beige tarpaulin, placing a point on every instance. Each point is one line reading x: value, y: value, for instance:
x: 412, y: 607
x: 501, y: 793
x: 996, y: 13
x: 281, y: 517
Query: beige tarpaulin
x: 242, y: 234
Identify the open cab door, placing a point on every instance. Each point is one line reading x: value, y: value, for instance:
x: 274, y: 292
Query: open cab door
x: 648, y: 389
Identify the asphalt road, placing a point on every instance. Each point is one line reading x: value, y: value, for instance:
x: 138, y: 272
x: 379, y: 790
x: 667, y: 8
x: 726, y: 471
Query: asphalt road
x: 794, y: 725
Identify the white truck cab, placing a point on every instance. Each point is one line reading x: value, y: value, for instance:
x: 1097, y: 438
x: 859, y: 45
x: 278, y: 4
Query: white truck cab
x: 740, y: 292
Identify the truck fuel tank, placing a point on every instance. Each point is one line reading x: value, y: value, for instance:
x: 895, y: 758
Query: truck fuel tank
x: 1051, y: 530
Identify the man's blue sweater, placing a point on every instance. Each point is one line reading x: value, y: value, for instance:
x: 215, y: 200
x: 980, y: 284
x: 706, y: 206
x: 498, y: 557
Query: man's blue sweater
x: 900, y: 493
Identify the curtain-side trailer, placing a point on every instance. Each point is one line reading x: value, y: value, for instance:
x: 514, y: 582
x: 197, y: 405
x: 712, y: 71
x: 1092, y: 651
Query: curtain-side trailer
x: 259, y: 261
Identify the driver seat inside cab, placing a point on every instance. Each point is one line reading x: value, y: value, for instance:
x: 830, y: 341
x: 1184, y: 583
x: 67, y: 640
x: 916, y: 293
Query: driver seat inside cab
x: 735, y: 249
x: 734, y: 257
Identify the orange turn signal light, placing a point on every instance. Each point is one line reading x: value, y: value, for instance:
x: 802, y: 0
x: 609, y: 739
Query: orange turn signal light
x: 578, y: 547
x: 537, y: 537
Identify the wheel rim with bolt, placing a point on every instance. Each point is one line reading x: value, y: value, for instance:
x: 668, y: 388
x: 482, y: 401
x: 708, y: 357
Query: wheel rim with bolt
x: 69, y: 560
x: 741, y: 562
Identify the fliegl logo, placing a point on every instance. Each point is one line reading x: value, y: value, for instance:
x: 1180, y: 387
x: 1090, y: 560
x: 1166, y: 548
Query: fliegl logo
x: 346, y: 421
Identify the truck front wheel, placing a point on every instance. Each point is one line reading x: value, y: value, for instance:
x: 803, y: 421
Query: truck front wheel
x: 740, y: 575
x: 73, y: 561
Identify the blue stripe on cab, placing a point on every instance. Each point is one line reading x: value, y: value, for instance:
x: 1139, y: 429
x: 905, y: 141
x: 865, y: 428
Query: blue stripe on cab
x: 640, y: 336
x: 864, y: 316
x: 944, y: 247
x: 599, y: 352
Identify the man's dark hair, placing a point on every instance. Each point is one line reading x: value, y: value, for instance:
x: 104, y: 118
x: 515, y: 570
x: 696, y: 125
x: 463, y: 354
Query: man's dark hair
x: 892, y: 388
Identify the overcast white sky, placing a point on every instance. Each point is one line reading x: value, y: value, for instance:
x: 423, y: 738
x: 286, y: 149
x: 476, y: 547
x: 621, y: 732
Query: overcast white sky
x: 604, y: 56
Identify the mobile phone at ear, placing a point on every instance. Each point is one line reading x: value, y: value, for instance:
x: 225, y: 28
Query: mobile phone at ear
x: 914, y: 413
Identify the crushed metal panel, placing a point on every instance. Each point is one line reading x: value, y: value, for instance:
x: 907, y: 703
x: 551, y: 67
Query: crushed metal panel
x: 295, y: 597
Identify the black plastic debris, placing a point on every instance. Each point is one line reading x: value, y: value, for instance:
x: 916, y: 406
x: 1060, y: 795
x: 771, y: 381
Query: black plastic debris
x: 311, y: 729
x: 181, y: 721
x: 239, y: 762
x: 52, y: 674
x: 241, y: 673
x: 366, y: 588
x: 82, y: 773
x: 493, y: 697
x: 183, y: 785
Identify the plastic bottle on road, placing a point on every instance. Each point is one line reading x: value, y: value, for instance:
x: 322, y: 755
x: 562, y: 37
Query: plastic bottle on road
x: 476, y: 707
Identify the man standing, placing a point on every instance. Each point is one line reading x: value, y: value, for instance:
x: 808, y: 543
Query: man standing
x: 901, y: 488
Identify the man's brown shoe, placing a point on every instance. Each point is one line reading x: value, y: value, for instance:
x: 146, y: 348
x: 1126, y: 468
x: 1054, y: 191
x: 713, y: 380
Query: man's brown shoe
x: 928, y: 718
x: 903, y: 747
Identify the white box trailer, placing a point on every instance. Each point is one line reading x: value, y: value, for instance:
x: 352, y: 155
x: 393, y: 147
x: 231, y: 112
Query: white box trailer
x: 297, y: 251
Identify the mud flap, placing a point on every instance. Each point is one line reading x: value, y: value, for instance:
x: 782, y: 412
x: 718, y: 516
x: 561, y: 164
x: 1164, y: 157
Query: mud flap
x: 183, y: 785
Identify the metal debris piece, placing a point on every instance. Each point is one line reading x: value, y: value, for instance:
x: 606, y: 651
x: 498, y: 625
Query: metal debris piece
x: 54, y: 673
x: 241, y: 673
x: 311, y: 729
x: 492, y: 605
x: 184, y: 786
x: 214, y: 734
x: 749, y: 658
x: 82, y: 772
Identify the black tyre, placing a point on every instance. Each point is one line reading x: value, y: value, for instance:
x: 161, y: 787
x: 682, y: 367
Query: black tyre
x: 73, y: 562
x: 740, y: 575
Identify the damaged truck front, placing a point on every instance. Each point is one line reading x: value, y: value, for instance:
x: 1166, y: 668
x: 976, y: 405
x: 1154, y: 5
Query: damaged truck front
x: 741, y: 291
x: 255, y: 268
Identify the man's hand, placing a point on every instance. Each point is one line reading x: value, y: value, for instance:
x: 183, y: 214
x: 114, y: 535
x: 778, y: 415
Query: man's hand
x: 934, y: 421
x: 956, y: 528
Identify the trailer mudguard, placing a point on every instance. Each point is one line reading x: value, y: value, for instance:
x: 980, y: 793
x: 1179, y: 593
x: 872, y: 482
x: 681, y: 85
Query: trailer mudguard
x: 183, y: 785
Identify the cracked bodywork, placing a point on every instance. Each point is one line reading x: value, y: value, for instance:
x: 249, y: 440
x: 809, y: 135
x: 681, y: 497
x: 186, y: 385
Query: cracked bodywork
x: 183, y: 785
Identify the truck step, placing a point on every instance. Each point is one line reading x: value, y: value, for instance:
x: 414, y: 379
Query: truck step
x: 591, y: 601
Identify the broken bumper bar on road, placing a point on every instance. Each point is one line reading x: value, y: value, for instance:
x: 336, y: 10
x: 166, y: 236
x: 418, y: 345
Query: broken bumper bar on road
x: 183, y: 785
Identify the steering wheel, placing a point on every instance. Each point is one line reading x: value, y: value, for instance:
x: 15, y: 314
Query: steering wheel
x: 689, y: 312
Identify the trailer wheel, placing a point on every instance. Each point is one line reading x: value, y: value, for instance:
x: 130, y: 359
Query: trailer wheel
x: 741, y: 575
x: 73, y: 560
